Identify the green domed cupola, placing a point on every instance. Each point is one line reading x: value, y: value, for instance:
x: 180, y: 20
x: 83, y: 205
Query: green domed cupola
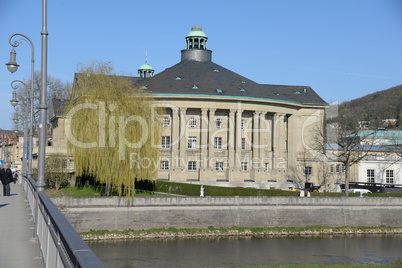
x: 196, y: 39
x: 196, y: 46
x: 146, y: 70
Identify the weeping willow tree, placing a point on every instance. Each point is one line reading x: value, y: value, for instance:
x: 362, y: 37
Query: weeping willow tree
x: 111, y: 129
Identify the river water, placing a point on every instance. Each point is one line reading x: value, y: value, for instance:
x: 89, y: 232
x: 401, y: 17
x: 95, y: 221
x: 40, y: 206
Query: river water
x: 250, y: 251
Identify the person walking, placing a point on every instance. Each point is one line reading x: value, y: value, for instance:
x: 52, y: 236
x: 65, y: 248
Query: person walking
x: 15, y: 177
x: 6, y: 177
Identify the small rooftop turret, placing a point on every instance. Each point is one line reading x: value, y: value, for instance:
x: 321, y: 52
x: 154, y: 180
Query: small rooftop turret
x: 196, y: 46
x: 146, y: 70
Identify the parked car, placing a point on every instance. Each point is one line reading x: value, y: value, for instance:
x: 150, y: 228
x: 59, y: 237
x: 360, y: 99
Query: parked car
x: 360, y: 191
x: 310, y: 187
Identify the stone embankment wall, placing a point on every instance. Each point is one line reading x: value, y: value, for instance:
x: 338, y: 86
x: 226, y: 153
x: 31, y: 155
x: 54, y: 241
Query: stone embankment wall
x: 113, y: 213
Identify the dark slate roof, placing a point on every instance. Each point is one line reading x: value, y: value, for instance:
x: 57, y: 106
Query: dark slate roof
x: 57, y: 107
x: 207, y: 78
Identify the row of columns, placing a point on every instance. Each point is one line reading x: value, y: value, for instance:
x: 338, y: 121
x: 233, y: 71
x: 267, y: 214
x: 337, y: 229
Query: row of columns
x: 275, y: 142
x: 196, y: 43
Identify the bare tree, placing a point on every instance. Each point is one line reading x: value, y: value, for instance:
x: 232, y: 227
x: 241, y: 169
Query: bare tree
x: 310, y: 167
x: 325, y: 177
x: 55, y: 89
x: 342, y: 139
x: 295, y: 175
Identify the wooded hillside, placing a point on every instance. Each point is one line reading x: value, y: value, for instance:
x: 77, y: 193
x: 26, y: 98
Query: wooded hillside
x: 375, y: 107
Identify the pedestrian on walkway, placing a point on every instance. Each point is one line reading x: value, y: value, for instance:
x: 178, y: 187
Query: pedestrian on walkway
x: 6, y: 177
x: 15, y: 176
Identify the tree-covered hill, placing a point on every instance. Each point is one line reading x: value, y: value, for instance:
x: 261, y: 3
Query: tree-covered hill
x: 375, y: 107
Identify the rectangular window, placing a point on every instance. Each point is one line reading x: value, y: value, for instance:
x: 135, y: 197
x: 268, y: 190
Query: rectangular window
x: 192, y: 165
x: 389, y: 176
x: 165, y: 142
x: 218, y: 123
x: 218, y: 143
x: 332, y: 168
x: 71, y: 164
x: 343, y: 168
x: 338, y: 168
x: 219, y: 166
x: 64, y: 163
x: 164, y: 165
x: 266, y: 167
x: 243, y: 123
x: 166, y: 122
x: 370, y: 175
x: 192, y: 122
x: 192, y: 142
x: 244, y: 166
x: 243, y: 143
x: 308, y: 170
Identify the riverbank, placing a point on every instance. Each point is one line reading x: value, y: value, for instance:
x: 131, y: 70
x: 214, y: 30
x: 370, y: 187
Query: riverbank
x: 327, y: 266
x: 163, y: 233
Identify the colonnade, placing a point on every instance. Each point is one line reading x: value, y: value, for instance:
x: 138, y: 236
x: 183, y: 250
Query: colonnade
x: 261, y: 139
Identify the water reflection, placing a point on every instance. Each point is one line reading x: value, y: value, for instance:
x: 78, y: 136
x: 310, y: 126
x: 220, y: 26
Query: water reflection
x: 249, y: 251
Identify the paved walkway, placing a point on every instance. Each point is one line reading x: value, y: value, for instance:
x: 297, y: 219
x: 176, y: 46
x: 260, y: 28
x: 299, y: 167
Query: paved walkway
x: 17, y: 249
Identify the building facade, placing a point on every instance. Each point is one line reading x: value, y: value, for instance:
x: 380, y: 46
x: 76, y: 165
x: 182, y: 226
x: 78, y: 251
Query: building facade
x: 382, y: 162
x: 220, y: 128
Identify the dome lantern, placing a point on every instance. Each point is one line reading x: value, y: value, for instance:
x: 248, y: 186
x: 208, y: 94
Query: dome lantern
x: 196, y: 39
x: 196, y: 46
x: 146, y: 70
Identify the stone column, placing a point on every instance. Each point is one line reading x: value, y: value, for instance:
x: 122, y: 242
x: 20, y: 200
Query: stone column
x: 263, y: 140
x: 175, y: 137
x: 183, y: 138
x: 238, y: 136
x: 211, y: 135
x: 274, y: 141
x: 279, y: 140
x: 231, y: 141
x: 255, y: 145
x: 204, y: 138
x: 295, y: 142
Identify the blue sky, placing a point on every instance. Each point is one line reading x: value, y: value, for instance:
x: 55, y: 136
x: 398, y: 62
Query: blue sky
x: 343, y: 49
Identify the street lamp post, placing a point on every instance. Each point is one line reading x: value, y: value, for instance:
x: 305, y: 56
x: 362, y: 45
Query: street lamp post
x: 14, y: 102
x: 40, y: 183
x: 12, y: 66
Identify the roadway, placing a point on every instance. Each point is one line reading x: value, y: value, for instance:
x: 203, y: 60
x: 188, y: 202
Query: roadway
x: 17, y: 247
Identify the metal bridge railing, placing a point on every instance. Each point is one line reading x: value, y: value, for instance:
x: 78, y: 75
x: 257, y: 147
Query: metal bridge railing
x: 60, y: 245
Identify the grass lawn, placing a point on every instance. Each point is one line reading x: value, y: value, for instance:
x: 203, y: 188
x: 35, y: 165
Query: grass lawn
x: 73, y: 191
x: 189, y: 189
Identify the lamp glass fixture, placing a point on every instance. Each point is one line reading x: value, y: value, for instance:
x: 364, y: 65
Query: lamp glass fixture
x: 14, y: 101
x: 12, y: 65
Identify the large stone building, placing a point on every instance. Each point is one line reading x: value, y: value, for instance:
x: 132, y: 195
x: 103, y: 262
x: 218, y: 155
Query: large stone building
x: 220, y: 128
